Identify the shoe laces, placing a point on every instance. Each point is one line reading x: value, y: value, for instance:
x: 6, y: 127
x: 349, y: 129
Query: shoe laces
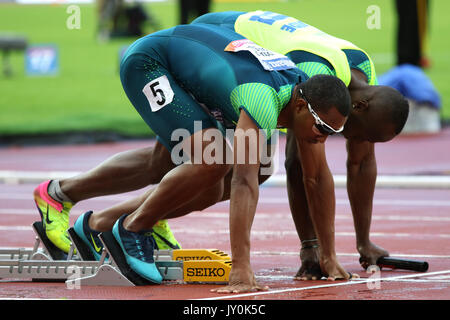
x: 145, y: 244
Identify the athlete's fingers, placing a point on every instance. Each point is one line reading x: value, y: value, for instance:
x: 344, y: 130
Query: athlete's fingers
x: 240, y: 289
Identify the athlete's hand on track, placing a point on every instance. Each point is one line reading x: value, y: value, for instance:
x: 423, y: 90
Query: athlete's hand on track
x: 370, y: 253
x: 241, y: 280
x: 310, y: 268
x: 334, y: 271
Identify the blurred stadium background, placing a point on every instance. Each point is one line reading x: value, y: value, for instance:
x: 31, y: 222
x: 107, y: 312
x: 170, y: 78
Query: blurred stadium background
x: 85, y: 95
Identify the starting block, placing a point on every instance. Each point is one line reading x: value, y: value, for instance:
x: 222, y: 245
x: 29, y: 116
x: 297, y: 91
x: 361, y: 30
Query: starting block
x: 199, y: 254
x: 206, y: 271
x: 79, y: 267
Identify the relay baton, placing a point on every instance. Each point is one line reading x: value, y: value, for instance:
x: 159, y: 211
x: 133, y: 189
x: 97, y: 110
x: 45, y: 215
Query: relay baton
x: 396, y: 263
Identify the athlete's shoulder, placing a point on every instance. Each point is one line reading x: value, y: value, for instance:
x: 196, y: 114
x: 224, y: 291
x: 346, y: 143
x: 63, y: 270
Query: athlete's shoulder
x: 219, y: 18
x: 261, y: 101
x: 205, y: 32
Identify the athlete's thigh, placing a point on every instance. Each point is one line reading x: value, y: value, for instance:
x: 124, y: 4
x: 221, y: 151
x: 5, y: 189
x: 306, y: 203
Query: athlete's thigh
x: 161, y: 102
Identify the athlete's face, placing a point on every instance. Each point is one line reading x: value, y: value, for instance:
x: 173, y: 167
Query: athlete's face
x: 315, y: 127
x: 369, y: 124
x: 370, y: 118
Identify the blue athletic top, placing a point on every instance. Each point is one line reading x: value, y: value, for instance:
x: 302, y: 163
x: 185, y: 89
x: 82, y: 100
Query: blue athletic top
x: 228, y: 81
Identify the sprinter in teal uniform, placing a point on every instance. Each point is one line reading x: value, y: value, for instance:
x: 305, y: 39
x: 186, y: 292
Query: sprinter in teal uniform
x: 180, y: 71
x: 378, y: 114
x: 169, y: 77
x: 135, y: 169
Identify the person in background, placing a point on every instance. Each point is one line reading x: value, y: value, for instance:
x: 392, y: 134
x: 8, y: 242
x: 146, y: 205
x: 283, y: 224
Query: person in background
x: 412, y: 29
x: 191, y: 9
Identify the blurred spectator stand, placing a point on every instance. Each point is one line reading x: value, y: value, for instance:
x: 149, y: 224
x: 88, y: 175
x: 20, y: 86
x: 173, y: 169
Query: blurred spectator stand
x: 9, y: 43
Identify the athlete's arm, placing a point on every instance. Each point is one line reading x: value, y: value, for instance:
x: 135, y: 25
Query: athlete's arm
x: 243, y: 201
x: 361, y: 179
x: 309, y: 254
x: 319, y: 187
x: 296, y: 190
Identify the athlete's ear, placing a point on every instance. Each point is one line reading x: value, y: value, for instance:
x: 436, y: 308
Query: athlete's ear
x: 361, y: 105
x: 303, y: 104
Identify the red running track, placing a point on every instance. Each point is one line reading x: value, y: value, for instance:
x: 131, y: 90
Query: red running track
x: 412, y: 224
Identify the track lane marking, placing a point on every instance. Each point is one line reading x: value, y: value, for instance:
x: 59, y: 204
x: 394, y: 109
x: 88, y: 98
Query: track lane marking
x: 339, y: 284
x: 273, y: 234
x: 265, y: 200
x: 296, y: 253
x: 259, y: 215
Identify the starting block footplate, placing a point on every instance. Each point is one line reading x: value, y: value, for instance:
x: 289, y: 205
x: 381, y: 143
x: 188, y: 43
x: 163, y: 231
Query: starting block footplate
x: 52, y: 264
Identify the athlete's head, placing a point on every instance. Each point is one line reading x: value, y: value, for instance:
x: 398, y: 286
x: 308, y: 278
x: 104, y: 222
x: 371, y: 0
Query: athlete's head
x: 378, y: 115
x: 321, y: 107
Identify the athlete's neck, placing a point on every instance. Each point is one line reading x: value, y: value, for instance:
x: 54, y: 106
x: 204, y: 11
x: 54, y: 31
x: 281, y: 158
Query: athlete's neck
x: 285, y: 117
x: 358, y: 88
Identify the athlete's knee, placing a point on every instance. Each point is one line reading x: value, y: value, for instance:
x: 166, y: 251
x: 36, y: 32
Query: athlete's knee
x: 159, y: 163
x: 217, y: 192
x: 213, y: 195
x: 216, y: 172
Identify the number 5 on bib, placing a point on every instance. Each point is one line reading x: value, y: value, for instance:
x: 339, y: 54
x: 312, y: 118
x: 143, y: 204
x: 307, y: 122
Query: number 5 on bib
x: 158, y: 92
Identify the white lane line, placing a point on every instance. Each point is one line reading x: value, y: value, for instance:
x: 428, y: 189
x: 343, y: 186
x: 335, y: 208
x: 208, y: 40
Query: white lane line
x: 343, y: 254
x: 447, y: 277
x: 379, y: 202
x: 21, y: 212
x: 16, y: 228
x: 263, y: 199
x: 420, y: 281
x: 409, y: 218
x: 274, y: 277
x: 287, y: 214
x: 31, y: 212
x: 283, y: 233
x: 336, y: 284
x: 277, y: 180
x: 272, y: 234
x: 286, y: 277
x: 259, y: 215
x: 290, y: 277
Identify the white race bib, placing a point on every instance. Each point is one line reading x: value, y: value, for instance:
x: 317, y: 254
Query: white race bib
x: 269, y: 60
x: 158, y: 92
